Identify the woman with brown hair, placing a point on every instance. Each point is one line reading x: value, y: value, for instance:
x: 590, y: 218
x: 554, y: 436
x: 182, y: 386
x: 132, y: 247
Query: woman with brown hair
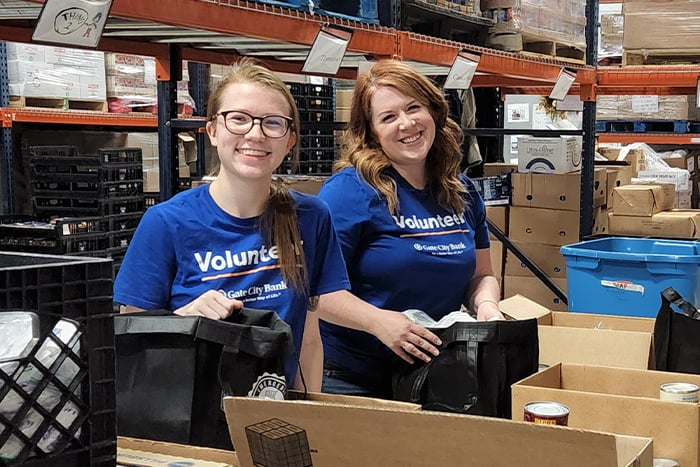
x: 245, y: 239
x: 412, y: 229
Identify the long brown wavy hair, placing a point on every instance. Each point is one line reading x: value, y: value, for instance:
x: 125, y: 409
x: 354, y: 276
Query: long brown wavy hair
x: 279, y: 222
x: 361, y: 148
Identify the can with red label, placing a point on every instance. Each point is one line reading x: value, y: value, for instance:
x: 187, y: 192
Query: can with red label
x: 547, y: 413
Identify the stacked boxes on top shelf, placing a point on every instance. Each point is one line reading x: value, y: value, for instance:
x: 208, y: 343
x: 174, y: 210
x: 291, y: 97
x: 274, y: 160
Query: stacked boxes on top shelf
x: 316, y: 103
x: 101, y: 193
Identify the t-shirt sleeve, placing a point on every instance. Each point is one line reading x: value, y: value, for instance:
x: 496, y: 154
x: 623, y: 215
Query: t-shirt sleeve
x: 476, y: 210
x: 146, y: 274
x: 349, y: 207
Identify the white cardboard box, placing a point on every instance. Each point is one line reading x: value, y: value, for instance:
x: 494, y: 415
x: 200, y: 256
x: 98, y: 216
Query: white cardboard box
x: 549, y: 155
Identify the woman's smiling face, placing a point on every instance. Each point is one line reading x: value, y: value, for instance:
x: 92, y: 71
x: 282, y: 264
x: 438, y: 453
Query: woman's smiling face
x: 403, y: 126
x: 252, y: 155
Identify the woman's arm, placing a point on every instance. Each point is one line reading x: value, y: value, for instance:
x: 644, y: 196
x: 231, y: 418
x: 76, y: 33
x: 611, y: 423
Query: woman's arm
x: 395, y: 330
x: 484, y: 292
x: 311, y: 356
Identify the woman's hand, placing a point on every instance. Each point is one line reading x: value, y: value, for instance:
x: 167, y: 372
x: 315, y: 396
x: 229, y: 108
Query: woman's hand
x: 404, y: 337
x: 211, y: 304
x: 488, y: 311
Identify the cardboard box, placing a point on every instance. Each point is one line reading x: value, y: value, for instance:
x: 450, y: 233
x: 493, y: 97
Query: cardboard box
x: 547, y: 257
x: 544, y: 226
x: 587, y: 338
x: 671, y: 24
x: 493, y: 169
x: 147, y: 453
x: 556, y: 191
x: 327, y: 434
x: 642, y: 200
x: 533, y: 288
x: 600, y: 221
x: 678, y: 223
x: 498, y: 215
x: 549, y: 155
x: 303, y: 183
x: 619, y: 400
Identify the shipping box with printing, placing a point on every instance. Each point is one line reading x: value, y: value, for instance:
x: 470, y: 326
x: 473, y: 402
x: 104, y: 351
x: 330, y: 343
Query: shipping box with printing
x: 556, y: 191
x: 545, y: 226
x: 586, y: 338
x: 677, y: 223
x: 549, y: 155
x: 268, y: 432
x: 619, y: 400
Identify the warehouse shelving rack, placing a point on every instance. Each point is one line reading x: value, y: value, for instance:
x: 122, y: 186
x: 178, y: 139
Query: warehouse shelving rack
x: 220, y: 31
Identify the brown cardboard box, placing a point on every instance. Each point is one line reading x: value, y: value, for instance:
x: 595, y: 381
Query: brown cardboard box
x: 635, y: 157
x: 535, y: 289
x: 305, y: 184
x: 498, y: 215
x: 493, y: 169
x: 619, y: 400
x: 147, y: 453
x: 617, y: 176
x: 671, y: 24
x: 586, y: 338
x: 547, y: 257
x: 544, y: 226
x: 678, y: 223
x: 555, y: 191
x: 600, y: 221
x: 642, y: 200
x: 327, y: 434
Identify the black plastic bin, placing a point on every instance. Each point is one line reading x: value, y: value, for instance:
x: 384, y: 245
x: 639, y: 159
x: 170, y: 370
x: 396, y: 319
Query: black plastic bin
x: 78, y: 289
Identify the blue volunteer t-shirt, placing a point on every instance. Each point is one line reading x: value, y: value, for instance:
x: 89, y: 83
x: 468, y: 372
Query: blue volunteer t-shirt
x: 188, y: 245
x: 424, y: 257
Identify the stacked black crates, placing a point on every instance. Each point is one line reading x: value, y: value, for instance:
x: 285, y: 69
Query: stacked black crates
x: 76, y: 426
x: 107, y: 185
x: 316, y: 103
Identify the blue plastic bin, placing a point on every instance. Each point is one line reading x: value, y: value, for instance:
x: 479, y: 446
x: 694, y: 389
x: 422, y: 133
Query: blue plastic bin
x: 625, y: 276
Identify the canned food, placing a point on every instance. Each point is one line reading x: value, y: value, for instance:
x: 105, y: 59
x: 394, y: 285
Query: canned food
x: 680, y: 392
x: 547, y: 413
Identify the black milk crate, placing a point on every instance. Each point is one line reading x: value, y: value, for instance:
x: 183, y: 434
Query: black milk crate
x: 316, y: 103
x: 121, y: 155
x: 121, y: 222
x: 120, y: 239
x: 78, y: 289
x: 55, y: 206
x: 65, y: 169
x: 317, y: 139
x: 82, y: 244
x: 319, y: 154
x: 316, y: 116
x: 297, y: 90
x: 53, y: 151
x: 318, y: 90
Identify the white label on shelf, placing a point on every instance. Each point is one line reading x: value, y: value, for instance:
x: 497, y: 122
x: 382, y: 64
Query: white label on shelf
x: 645, y: 104
x: 695, y: 140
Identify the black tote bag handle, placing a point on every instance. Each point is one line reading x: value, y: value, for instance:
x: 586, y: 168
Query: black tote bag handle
x: 676, y: 334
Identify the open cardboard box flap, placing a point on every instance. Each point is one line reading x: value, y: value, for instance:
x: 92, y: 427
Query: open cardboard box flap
x: 329, y: 434
x: 619, y: 400
x: 149, y: 453
x: 587, y: 338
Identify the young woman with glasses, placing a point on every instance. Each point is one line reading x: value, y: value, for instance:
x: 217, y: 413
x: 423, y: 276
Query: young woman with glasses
x: 244, y: 239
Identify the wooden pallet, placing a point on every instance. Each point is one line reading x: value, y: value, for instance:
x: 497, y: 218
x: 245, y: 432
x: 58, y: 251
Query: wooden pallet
x: 542, y: 47
x: 57, y: 103
x: 661, y: 57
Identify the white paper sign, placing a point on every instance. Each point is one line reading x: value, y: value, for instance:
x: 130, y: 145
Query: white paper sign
x: 461, y: 73
x: 645, y: 104
x: 326, y: 54
x: 72, y: 22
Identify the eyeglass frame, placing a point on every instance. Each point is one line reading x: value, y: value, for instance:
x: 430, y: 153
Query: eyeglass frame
x: 290, y: 122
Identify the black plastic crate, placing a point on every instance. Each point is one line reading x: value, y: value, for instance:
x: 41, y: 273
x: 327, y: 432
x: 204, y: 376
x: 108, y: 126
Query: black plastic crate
x: 121, y: 155
x: 53, y: 151
x: 318, y: 140
x: 76, y: 190
x: 56, y: 206
x: 78, y: 289
x: 319, y: 90
x: 316, y: 116
x: 317, y: 103
x: 151, y: 198
x: 121, y: 222
x: 319, y: 154
x: 120, y: 239
x: 85, y: 244
x: 51, y: 169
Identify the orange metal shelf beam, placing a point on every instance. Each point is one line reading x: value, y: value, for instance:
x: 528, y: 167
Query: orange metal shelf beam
x: 649, y: 138
x: 664, y: 79
x: 75, y: 117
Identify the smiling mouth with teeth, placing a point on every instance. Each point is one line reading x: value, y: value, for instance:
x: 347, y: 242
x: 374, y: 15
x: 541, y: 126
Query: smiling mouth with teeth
x: 411, y: 139
x: 253, y: 153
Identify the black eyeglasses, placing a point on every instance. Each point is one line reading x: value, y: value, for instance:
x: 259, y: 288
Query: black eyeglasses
x: 240, y: 123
